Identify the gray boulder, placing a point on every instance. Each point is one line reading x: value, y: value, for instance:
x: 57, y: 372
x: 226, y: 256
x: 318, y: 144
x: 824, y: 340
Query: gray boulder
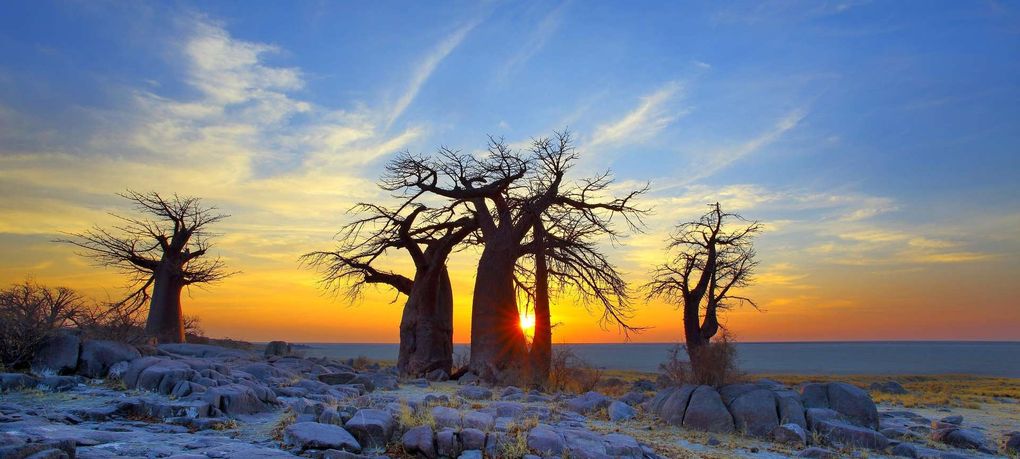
x: 588, y: 402
x: 755, y: 412
x: 619, y: 445
x: 44, y: 449
x: 954, y: 419
x: 851, y: 435
x: 277, y: 348
x: 546, y: 440
x: 888, y: 387
x: 234, y: 399
x: 472, y: 439
x: 447, y: 444
x: 419, y: 441
x: 371, y: 427
x: 312, y: 435
x: 706, y: 412
x: 204, y: 350
x: 478, y: 420
x: 791, y: 410
x: 815, y: 452
x: 1011, y: 443
x: 446, y: 416
x: 854, y: 403
x: 16, y: 381
x: 814, y: 395
x: 97, y: 356
x: 162, y: 376
x: 619, y: 411
x: 674, y: 405
x: 437, y: 375
x: 471, y: 454
x: 633, y: 398
x: 58, y: 354
x: 789, y: 433
x: 963, y: 438
x: 343, y: 377
x: 475, y: 393
x: 921, y: 452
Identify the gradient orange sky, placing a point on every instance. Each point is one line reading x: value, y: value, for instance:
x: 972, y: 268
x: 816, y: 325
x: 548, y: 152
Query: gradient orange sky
x: 882, y: 160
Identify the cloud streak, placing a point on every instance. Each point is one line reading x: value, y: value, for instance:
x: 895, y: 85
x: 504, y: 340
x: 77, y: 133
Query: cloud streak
x: 651, y: 115
x: 428, y: 65
x: 537, y: 40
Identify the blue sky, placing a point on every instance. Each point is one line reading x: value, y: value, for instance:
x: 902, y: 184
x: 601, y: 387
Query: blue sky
x: 878, y: 140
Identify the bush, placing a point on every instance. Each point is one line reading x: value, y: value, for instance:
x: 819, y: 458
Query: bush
x: 570, y: 373
x: 29, y: 312
x: 716, y: 364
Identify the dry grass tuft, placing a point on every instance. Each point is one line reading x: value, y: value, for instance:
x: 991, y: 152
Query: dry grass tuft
x: 287, y: 418
x: 422, y: 416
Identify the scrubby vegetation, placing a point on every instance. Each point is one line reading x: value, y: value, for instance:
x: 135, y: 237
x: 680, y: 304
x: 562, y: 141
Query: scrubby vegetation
x: 30, y: 312
x: 718, y: 367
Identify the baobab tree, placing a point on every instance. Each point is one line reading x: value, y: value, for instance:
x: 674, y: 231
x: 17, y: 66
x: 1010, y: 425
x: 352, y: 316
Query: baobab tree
x: 507, y: 192
x: 428, y: 236
x: 164, y: 250
x: 566, y: 261
x: 711, y: 261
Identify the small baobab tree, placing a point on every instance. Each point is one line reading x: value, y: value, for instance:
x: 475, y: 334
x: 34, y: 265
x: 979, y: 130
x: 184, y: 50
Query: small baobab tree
x: 162, y: 251
x: 711, y: 261
x: 428, y: 236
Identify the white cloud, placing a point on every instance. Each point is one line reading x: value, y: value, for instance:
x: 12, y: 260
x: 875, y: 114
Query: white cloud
x: 428, y: 65
x: 650, y: 116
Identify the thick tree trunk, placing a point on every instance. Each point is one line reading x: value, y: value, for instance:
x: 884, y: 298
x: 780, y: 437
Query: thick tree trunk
x: 498, y: 347
x: 541, y: 343
x: 166, y: 321
x: 426, y: 328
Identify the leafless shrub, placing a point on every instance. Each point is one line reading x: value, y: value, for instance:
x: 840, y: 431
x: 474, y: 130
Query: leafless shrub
x: 29, y: 312
x: 570, y: 373
x: 717, y: 364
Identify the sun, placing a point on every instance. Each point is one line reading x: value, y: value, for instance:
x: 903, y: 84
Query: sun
x: 527, y: 323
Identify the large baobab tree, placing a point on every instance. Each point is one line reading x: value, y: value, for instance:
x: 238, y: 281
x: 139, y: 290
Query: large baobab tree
x: 711, y: 260
x: 164, y: 250
x: 508, y: 192
x: 428, y: 236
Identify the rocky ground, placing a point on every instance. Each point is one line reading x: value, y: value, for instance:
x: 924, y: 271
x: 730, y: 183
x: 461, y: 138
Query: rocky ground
x: 102, y: 399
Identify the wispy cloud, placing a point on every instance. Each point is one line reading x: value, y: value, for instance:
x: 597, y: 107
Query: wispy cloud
x: 725, y: 157
x: 535, y: 41
x: 650, y: 116
x: 428, y: 65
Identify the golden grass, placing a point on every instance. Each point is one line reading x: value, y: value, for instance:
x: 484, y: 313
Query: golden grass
x: 965, y: 391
